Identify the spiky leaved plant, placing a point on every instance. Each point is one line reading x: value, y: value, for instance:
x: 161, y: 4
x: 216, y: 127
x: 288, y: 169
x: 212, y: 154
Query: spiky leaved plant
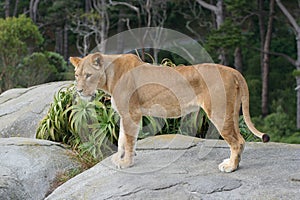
x: 55, y: 125
x: 89, y: 127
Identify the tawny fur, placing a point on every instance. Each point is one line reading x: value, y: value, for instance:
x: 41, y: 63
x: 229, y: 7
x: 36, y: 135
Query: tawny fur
x: 138, y: 89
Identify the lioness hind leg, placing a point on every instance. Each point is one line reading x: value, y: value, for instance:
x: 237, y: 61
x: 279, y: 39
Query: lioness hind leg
x: 126, y: 144
x: 236, y: 143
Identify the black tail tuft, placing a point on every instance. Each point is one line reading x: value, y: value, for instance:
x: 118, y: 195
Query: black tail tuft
x: 265, y: 138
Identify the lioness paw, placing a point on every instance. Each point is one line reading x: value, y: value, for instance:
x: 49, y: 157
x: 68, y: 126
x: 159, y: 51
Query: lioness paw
x: 227, y: 166
x: 121, y: 162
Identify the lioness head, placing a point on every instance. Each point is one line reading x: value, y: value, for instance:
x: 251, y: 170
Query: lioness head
x: 89, y: 74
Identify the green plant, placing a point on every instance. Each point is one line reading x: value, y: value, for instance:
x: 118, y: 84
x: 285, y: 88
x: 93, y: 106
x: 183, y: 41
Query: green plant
x: 88, y: 127
x: 104, y: 132
x: 41, y: 67
x: 293, y: 139
x: 193, y: 124
x: 55, y: 125
x: 35, y: 69
x: 152, y: 126
x: 56, y: 60
x: 245, y: 132
x: 18, y: 38
x: 279, y: 125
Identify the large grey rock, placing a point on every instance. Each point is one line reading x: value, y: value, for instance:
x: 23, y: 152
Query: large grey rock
x: 28, y: 167
x: 21, y: 109
x: 181, y: 167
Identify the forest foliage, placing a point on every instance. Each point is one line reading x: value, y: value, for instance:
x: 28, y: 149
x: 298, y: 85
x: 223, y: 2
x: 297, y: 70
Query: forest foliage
x: 38, y: 36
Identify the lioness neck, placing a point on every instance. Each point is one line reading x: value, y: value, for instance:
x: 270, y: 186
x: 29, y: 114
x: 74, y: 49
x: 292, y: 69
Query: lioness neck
x: 116, y: 66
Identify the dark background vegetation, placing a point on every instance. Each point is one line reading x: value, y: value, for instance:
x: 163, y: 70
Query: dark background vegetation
x: 255, y: 37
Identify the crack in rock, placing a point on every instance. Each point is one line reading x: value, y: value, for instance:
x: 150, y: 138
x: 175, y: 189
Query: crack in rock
x: 295, y: 179
x: 17, y: 96
x: 28, y: 142
x: 224, y: 189
x: 137, y: 190
x: 167, y: 142
x: 166, y: 148
x: 35, y: 145
x: 168, y: 186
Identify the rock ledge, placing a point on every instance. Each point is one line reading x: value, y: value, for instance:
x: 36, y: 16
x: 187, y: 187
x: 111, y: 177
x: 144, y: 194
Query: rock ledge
x: 181, y: 167
x: 29, y: 166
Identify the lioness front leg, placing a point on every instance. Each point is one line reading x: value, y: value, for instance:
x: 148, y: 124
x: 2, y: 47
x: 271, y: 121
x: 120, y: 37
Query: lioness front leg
x: 126, y: 144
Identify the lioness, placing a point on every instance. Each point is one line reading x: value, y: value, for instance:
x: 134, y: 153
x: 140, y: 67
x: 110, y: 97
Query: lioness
x: 139, y: 88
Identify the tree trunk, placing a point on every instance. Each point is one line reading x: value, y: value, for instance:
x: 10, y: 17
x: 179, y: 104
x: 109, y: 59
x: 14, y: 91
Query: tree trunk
x: 298, y: 78
x: 104, y: 25
x: 65, y: 42
x: 88, y: 6
x: 33, y: 6
x: 121, y: 28
x: 298, y: 101
x: 238, y: 59
x: 266, y: 63
x: 217, y: 9
x: 264, y: 76
x: 296, y: 27
x: 261, y: 28
x: 58, y: 40
x: 7, y: 7
x: 16, y: 8
x: 219, y: 13
x: 297, y: 64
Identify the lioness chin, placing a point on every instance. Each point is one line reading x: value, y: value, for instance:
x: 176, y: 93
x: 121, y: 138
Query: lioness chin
x: 138, y: 89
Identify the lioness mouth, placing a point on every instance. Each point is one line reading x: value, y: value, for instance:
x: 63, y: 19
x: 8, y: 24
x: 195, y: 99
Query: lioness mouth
x: 86, y: 98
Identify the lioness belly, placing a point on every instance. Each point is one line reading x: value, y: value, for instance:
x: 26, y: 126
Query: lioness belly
x: 159, y: 101
x: 158, y: 110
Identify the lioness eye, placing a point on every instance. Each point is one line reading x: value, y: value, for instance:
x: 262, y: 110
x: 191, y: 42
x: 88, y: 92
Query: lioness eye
x: 88, y: 75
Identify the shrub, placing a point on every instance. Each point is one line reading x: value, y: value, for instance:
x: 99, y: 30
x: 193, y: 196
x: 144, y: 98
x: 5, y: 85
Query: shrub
x: 35, y: 69
x: 18, y: 38
x: 41, y: 67
x: 88, y: 127
x: 279, y: 125
x: 55, y: 126
x: 57, y: 61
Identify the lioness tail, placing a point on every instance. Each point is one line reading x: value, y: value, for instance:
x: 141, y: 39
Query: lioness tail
x: 245, y: 108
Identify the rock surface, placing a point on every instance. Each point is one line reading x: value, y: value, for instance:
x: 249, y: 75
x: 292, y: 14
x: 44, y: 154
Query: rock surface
x: 21, y: 109
x: 181, y: 167
x: 29, y: 166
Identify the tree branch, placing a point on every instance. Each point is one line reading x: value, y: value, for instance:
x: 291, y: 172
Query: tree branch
x: 207, y: 5
x: 288, y: 15
x: 136, y: 9
x: 288, y: 58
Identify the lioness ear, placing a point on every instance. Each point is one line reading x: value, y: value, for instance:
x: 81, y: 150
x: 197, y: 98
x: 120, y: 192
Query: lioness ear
x: 97, y: 60
x: 75, y: 61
